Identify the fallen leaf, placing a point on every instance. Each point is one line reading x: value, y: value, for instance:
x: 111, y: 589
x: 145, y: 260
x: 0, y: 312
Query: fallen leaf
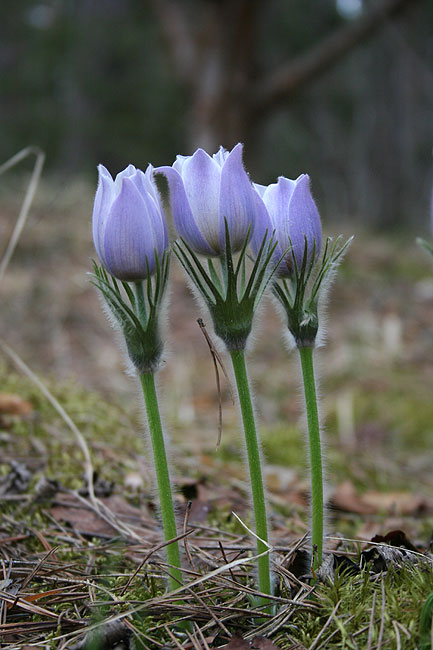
x: 68, y: 508
x: 81, y: 519
x: 237, y: 642
x: 11, y: 404
x: 347, y: 498
x: 262, y: 643
x: 403, y: 503
x: 395, y: 538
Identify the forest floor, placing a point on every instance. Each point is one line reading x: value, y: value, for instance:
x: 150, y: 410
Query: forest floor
x: 73, y: 532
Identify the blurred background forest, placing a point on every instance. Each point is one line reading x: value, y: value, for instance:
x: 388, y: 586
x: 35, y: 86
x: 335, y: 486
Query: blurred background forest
x: 341, y: 89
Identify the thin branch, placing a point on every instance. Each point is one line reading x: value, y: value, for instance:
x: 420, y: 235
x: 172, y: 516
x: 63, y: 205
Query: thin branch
x: 289, y: 78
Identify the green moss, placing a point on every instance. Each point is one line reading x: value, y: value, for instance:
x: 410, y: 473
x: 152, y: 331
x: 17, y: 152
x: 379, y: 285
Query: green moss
x: 398, y: 597
x: 115, y: 441
x: 284, y: 445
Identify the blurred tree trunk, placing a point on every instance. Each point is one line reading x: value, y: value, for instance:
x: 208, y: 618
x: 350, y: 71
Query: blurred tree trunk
x: 215, y: 61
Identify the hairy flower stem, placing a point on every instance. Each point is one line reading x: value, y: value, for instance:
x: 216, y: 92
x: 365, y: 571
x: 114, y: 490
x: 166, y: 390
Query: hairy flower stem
x: 253, y: 453
x: 306, y: 354
x: 162, y: 477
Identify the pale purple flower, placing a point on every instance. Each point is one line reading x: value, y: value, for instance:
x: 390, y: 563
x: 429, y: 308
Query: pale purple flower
x: 292, y: 216
x: 204, y: 191
x: 128, y: 223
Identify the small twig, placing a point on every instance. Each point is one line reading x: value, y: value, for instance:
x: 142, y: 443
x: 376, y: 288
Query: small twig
x: 172, y: 637
x: 209, y: 611
x: 39, y: 566
x: 325, y: 627
x: 382, y: 616
x: 201, y: 635
x: 185, y: 526
x: 193, y: 640
x: 397, y: 635
x: 150, y: 553
x: 324, y: 644
x: 216, y: 358
x: 370, y: 627
x: 143, y: 636
x: 223, y: 553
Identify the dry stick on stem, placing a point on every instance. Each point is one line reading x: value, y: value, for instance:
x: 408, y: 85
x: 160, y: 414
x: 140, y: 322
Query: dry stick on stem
x: 185, y: 526
x: 217, y: 360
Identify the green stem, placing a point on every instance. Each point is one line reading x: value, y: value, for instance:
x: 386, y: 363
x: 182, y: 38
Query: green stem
x: 253, y: 453
x: 306, y: 354
x: 162, y: 477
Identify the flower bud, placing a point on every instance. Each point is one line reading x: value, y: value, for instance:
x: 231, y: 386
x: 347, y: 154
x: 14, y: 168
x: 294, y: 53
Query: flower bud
x: 293, y: 216
x: 128, y: 223
x: 205, y: 191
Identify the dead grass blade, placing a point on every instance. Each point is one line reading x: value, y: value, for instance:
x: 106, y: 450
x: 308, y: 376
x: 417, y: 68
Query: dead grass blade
x: 24, y: 368
x: 28, y: 199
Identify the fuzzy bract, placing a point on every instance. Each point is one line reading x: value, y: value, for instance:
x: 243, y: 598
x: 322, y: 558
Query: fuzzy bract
x: 129, y: 227
x: 204, y: 192
x: 291, y: 214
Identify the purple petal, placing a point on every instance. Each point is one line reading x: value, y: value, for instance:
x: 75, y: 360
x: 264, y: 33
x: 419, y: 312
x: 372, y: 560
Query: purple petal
x: 129, y: 234
x: 304, y: 220
x: 147, y: 187
x: 263, y: 225
x: 237, y: 201
x: 260, y: 189
x: 276, y: 199
x: 125, y: 173
x: 221, y: 156
x: 181, y: 212
x: 103, y: 199
x: 201, y: 177
x: 178, y: 163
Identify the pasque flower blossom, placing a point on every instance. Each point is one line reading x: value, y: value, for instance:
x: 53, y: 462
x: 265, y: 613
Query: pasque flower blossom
x: 291, y: 214
x: 204, y: 192
x: 128, y: 223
